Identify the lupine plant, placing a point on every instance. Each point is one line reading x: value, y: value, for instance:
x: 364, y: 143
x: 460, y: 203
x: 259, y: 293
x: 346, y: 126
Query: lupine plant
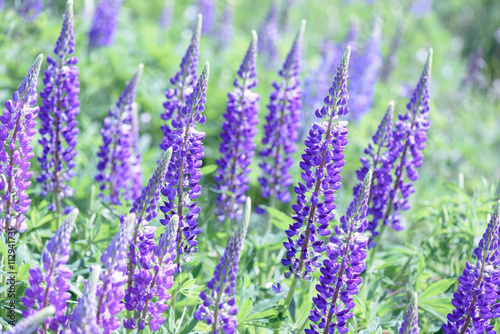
x: 60, y: 106
x: 30, y: 9
x: 31, y: 323
x: 237, y: 145
x: 17, y: 128
x: 269, y: 35
x: 102, y: 32
x: 410, y: 320
x: 207, y: 9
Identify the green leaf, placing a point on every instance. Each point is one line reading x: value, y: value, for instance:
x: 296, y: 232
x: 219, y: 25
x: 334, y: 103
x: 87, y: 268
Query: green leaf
x: 437, y: 288
x: 420, y: 270
x: 209, y: 169
x: 189, y: 326
x: 441, y: 305
x: 262, y: 309
x: 279, y: 219
x: 244, y: 309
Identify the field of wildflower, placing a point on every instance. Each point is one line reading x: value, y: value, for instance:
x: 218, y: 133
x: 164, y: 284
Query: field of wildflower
x: 252, y: 167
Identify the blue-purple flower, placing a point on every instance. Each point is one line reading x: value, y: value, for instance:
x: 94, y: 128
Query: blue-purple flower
x: 118, y: 169
x: 30, y: 9
x: 237, y: 145
x: 17, y: 128
x: 58, y: 112
x: 269, y: 35
x: 280, y: 130
x: 410, y: 320
x: 207, y: 9
x: 218, y: 308
x: 102, y: 32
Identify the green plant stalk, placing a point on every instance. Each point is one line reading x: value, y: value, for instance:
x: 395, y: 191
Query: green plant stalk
x: 288, y: 300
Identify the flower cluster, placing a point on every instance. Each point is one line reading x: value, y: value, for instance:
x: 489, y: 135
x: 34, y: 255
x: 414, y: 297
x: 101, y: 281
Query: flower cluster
x: 322, y: 164
x: 181, y: 181
x: 476, y: 299
x: 237, y: 146
x: 51, y: 286
x: 17, y: 128
x: 31, y: 323
x: 207, y: 9
x: 182, y: 82
x: 152, y: 279
x: 280, y: 130
x: 58, y: 112
x: 111, y: 292
x: 410, y: 320
x: 30, y: 9
x: 104, y: 24
x: 340, y: 272
x: 269, y: 34
x: 219, y: 308
x: 118, y: 170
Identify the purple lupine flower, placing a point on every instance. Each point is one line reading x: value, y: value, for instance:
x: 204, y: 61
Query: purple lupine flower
x: 225, y: 27
x: 181, y: 187
x: 30, y: 9
x: 152, y: 278
x: 207, y: 9
x: 83, y: 320
x: 111, y: 292
x: 182, y: 82
x: 118, y: 169
x: 51, y: 286
x: 339, y: 280
x: 218, y: 307
x: 17, y: 128
x: 135, y: 158
x: 31, y: 323
x: 280, y: 130
x: 380, y: 161
x: 237, y: 145
x: 167, y: 14
x: 410, y: 320
x: 269, y: 35
x: 321, y: 163
x: 58, y: 112
x: 102, y: 32
x: 365, y: 67
x: 476, y: 299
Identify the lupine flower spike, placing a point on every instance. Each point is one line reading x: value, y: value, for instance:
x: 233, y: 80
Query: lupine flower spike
x: 30, y: 9
x: 182, y: 82
x: 58, y: 112
x: 181, y: 182
x: 31, y: 323
x: 51, y: 286
x: 218, y: 308
x: 83, y: 319
x: 118, y: 169
x: 476, y: 299
x: 269, y: 35
x: 207, y: 9
x: 112, y: 290
x: 148, y: 296
x: 102, y: 32
x: 410, y: 320
x: 237, y: 145
x: 280, y: 130
x: 339, y: 280
x: 17, y: 128
x: 380, y: 161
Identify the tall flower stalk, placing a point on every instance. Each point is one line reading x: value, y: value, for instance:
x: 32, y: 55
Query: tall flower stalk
x: 280, y: 130
x: 269, y: 35
x: 17, y: 128
x: 410, y: 320
x: 102, y: 32
x: 51, y: 286
x: 118, y: 169
x: 31, y: 323
x: 207, y: 8
x: 181, y: 187
x: 58, y: 112
x: 237, y: 145
x: 218, y: 307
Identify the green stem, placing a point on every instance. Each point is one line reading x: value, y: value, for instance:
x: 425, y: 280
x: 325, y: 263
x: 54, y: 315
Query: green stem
x: 288, y: 300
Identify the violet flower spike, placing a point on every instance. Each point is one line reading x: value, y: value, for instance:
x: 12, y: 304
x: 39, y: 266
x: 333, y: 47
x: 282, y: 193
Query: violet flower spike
x: 31, y: 323
x: 17, y: 128
x: 104, y: 23
x: 476, y: 299
x: 269, y: 35
x: 322, y: 164
x: 30, y: 9
x: 410, y: 320
x: 112, y: 290
x: 83, y: 319
x: 181, y: 187
x: 280, y: 130
x: 340, y: 273
x: 182, y: 83
x: 237, y: 145
x: 207, y: 9
x: 218, y: 307
x: 51, y: 286
x: 152, y: 279
x: 60, y: 107
x: 118, y: 167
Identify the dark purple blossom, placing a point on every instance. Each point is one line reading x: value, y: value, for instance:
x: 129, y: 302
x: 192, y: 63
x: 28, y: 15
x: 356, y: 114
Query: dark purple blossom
x: 181, y: 188
x: 31, y: 323
x: 237, y: 145
x: 322, y: 164
x: 207, y: 9
x: 218, y: 308
x: 49, y: 283
x: 475, y: 301
x: 118, y: 169
x: 104, y: 24
x: 280, y: 130
x: 58, y: 112
x: 410, y: 320
x: 339, y: 280
x: 269, y: 35
x: 17, y: 128
x: 30, y: 9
